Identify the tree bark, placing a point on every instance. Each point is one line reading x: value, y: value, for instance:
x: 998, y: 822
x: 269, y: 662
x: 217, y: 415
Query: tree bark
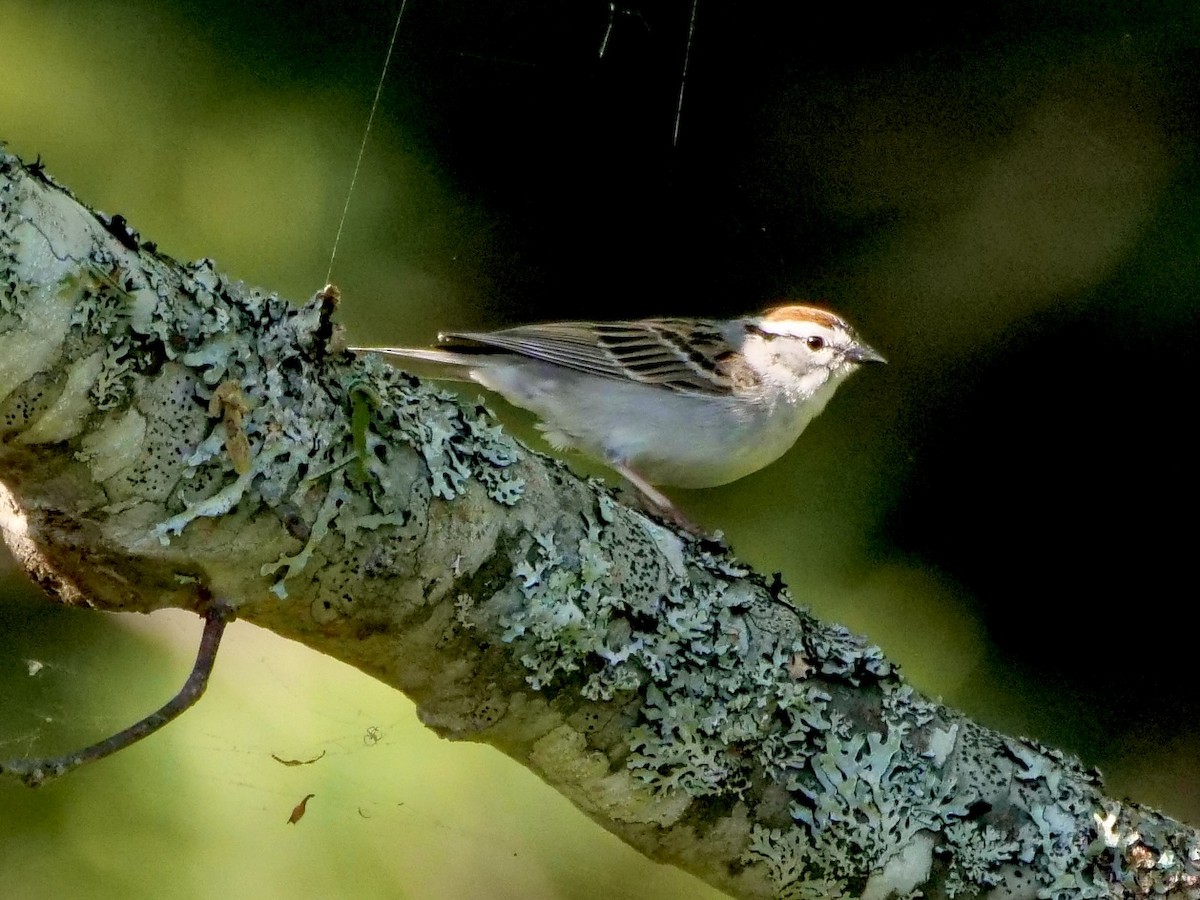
x: 168, y: 437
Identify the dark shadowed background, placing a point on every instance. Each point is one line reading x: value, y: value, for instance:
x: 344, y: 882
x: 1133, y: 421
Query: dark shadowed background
x: 1003, y: 197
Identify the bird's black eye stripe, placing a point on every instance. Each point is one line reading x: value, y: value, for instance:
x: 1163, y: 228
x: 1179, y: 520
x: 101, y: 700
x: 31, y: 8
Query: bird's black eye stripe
x: 814, y: 342
x: 761, y: 332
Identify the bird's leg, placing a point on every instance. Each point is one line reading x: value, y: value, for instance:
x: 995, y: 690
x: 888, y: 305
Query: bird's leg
x: 660, y: 503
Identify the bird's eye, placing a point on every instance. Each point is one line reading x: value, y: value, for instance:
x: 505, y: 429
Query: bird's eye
x: 815, y: 343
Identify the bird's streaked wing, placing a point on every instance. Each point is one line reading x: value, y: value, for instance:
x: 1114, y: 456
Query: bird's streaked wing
x: 682, y: 355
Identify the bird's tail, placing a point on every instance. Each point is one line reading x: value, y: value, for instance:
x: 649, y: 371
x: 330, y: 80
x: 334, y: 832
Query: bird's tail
x: 431, y: 363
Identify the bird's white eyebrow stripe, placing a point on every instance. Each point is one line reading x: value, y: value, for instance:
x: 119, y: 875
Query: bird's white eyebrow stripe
x: 796, y: 328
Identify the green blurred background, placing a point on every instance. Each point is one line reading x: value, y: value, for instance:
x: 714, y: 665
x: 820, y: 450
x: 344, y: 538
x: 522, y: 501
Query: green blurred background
x: 1002, y: 197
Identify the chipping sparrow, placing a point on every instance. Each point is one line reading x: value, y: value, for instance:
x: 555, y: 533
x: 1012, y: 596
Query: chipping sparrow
x: 686, y: 402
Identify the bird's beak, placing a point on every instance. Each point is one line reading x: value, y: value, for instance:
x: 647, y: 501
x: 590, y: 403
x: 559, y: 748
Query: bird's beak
x: 862, y: 353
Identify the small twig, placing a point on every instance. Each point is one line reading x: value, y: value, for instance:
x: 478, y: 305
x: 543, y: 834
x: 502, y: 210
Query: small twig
x: 35, y: 772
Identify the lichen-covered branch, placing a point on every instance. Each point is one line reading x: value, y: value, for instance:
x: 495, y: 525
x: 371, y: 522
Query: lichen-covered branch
x: 166, y: 436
